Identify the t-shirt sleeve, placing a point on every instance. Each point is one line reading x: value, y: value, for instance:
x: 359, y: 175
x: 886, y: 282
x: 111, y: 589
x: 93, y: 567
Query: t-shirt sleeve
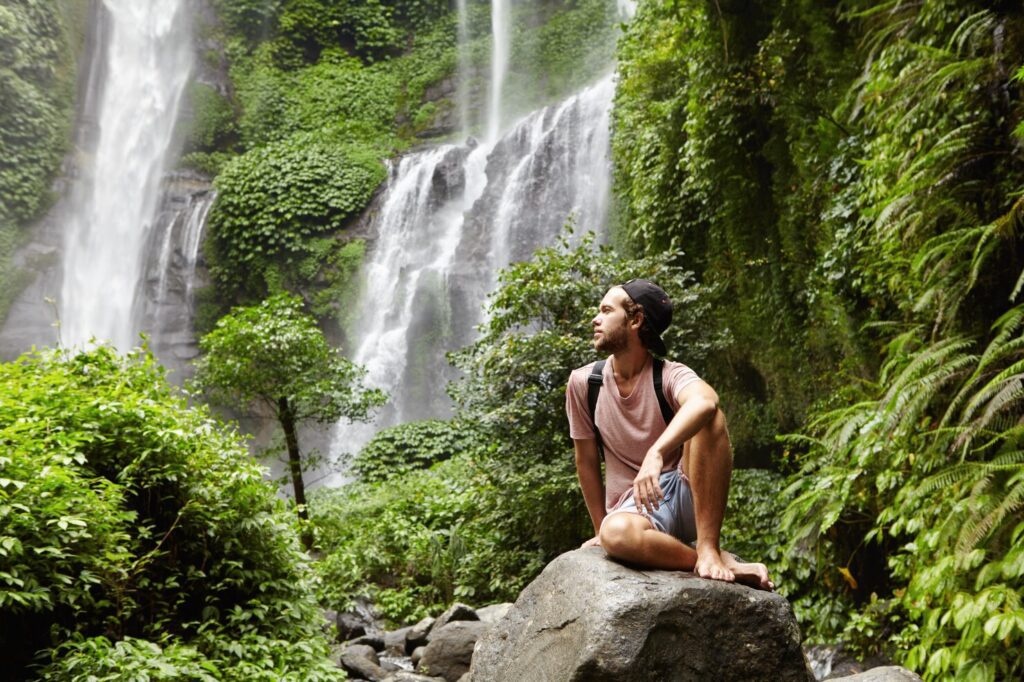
x: 580, y: 425
x: 675, y: 377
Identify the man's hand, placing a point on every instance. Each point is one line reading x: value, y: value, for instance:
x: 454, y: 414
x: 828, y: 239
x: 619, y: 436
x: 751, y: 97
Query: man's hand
x: 592, y: 542
x: 646, y: 490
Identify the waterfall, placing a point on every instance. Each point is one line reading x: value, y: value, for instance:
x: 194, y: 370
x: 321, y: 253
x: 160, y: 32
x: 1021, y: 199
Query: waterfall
x: 178, y: 255
x: 148, y: 61
x: 450, y: 217
x: 501, y: 21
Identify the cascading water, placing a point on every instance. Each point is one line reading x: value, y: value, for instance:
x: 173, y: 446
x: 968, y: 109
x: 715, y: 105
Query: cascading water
x: 149, y: 58
x: 450, y: 218
x: 178, y: 256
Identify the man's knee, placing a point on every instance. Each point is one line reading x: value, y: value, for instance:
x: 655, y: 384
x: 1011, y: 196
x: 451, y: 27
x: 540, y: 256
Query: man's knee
x: 621, y: 535
x: 715, y: 432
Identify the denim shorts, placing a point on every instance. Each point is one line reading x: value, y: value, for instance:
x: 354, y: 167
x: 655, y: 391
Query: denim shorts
x: 674, y: 514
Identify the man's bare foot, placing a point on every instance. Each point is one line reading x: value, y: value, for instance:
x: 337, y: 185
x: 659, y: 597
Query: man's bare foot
x: 753, y: 574
x: 710, y: 564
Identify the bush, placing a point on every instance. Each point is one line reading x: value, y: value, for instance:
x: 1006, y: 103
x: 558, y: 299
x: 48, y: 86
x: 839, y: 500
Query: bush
x: 272, y: 201
x: 127, y: 516
x: 416, y: 445
x: 418, y: 540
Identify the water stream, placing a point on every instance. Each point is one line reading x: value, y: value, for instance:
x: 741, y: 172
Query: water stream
x: 148, y: 62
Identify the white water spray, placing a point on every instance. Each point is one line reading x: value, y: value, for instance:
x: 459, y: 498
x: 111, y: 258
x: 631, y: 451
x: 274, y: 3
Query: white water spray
x: 149, y: 59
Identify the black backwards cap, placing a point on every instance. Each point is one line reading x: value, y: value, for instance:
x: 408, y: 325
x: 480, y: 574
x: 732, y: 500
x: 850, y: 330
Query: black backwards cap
x: 657, y: 309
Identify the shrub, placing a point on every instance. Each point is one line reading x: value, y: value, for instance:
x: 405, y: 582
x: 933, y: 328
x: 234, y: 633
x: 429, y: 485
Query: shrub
x: 416, y: 445
x: 273, y: 200
x: 127, y: 516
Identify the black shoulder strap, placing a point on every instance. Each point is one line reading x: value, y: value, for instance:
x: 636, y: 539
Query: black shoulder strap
x: 666, y: 411
x: 594, y: 383
x: 596, y: 380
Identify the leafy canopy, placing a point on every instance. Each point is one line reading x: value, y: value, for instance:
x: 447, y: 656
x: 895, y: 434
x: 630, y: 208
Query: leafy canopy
x: 274, y: 350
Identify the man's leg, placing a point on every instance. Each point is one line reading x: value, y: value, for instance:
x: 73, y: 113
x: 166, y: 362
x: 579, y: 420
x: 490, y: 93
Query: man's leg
x: 710, y: 468
x: 630, y: 537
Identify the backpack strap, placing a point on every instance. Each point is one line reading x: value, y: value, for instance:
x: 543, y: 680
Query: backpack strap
x: 666, y: 410
x: 594, y: 383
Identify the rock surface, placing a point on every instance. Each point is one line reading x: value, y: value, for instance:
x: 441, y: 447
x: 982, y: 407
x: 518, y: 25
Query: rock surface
x: 589, y: 618
x: 450, y: 650
x: 456, y: 612
x: 493, y: 613
x: 886, y: 673
x: 361, y: 668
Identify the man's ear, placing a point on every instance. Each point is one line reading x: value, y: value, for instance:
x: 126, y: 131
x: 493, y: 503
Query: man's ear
x: 637, y: 321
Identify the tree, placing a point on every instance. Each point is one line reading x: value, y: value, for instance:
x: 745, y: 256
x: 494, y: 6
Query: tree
x: 274, y: 354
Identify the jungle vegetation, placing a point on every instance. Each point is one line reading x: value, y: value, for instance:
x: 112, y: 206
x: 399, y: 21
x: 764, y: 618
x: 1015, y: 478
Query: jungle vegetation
x: 831, y: 191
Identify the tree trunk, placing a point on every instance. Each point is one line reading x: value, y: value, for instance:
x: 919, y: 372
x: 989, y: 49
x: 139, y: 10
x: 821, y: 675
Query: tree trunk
x: 291, y: 439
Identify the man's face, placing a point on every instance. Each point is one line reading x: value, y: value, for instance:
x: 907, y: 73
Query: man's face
x: 611, y: 325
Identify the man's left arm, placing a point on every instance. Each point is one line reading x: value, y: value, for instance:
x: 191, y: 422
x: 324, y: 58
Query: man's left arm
x: 698, y: 403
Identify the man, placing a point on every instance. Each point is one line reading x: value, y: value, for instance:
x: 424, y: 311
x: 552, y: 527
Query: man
x: 666, y: 483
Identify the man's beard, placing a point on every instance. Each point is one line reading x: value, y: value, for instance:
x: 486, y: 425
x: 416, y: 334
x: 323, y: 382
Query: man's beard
x: 611, y: 342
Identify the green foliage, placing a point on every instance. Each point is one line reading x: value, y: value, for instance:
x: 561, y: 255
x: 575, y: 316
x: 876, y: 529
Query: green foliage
x: 273, y: 200
x: 211, y: 125
x: 252, y: 19
x: 137, y: 534
x: 558, y: 48
x: 723, y: 140
x: 419, y: 540
x: 36, y: 85
x: 416, y: 445
x: 752, y: 519
x: 826, y: 167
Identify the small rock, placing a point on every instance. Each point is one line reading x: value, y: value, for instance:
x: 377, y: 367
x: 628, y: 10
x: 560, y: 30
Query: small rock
x: 455, y: 612
x: 450, y: 650
x: 370, y: 639
x: 364, y: 650
x: 468, y: 677
x: 417, y: 635
x: 885, y: 673
x: 350, y: 625
x: 395, y: 639
x: 493, y: 613
x: 417, y: 654
x: 390, y: 666
x: 357, y: 666
x: 406, y: 676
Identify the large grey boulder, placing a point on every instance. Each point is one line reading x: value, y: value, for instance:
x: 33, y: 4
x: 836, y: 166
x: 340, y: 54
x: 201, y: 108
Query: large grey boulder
x: 588, y: 618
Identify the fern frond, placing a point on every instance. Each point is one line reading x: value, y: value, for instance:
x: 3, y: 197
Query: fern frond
x: 1010, y: 504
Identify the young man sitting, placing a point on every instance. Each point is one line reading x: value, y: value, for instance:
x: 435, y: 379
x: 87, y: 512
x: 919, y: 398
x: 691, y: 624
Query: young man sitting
x: 667, y: 454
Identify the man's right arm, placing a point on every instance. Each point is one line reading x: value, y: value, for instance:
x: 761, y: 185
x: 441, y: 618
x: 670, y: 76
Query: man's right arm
x: 588, y: 468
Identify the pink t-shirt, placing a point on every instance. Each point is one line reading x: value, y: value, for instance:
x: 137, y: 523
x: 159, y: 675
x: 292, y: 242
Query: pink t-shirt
x: 629, y: 425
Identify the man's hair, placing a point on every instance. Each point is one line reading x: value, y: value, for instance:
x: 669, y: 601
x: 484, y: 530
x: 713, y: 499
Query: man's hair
x: 633, y: 309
